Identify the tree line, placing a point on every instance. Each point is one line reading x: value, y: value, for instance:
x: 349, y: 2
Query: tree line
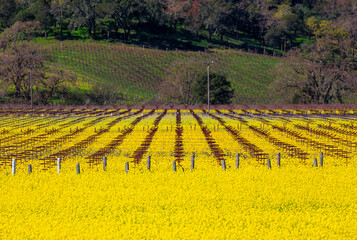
x: 278, y: 23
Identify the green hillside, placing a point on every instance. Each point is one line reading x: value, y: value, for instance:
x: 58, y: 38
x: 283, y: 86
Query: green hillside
x: 136, y: 72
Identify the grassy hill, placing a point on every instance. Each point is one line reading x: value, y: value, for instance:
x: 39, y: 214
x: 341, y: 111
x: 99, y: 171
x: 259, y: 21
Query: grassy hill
x: 136, y: 72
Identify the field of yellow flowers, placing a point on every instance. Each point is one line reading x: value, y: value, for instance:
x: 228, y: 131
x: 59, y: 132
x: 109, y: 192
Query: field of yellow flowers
x: 250, y: 203
x: 293, y: 201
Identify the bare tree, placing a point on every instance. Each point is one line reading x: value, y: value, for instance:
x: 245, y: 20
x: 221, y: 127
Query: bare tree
x: 181, y: 78
x: 18, y: 56
x: 22, y: 65
x: 58, y: 79
x: 16, y: 63
x: 20, y: 31
x: 318, y: 73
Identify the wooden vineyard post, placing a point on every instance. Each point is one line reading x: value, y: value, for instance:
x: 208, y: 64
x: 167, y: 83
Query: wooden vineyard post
x: 58, y: 165
x: 30, y: 169
x: 104, y: 163
x: 78, y: 169
x: 278, y: 159
x: 237, y: 161
x: 315, y: 162
x: 192, y: 161
x: 269, y: 163
x: 13, y: 167
x: 174, y: 166
x: 127, y: 167
x: 224, y: 167
x: 321, y: 159
x: 148, y: 164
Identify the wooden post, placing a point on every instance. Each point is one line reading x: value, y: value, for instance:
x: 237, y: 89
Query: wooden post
x: 127, y: 167
x: 104, y: 163
x: 278, y: 159
x: 58, y: 165
x: 237, y: 161
x: 192, y: 161
x: 224, y: 164
x: 174, y: 166
x: 269, y: 163
x: 321, y: 159
x: 13, y: 167
x: 30, y: 169
x: 78, y: 169
x: 315, y: 162
x: 148, y: 164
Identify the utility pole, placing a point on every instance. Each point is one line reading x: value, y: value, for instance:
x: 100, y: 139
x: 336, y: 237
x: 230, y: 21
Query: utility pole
x: 208, y: 103
x: 31, y: 88
x: 31, y: 92
x: 208, y: 87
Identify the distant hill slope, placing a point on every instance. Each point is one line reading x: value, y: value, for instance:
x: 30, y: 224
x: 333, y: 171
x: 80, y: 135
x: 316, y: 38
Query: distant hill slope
x: 137, y: 72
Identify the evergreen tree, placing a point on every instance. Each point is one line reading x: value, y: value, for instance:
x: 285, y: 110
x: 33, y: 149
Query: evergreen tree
x: 220, y: 89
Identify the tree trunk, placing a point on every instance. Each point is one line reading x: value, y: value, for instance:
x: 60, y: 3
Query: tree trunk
x: 61, y: 31
x: 89, y: 32
x: 116, y: 30
x: 127, y: 31
x: 94, y: 27
x: 171, y: 21
x: 55, y: 24
x: 125, y: 34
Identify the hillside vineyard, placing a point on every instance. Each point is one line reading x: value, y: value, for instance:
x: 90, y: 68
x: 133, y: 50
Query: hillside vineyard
x: 137, y: 72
